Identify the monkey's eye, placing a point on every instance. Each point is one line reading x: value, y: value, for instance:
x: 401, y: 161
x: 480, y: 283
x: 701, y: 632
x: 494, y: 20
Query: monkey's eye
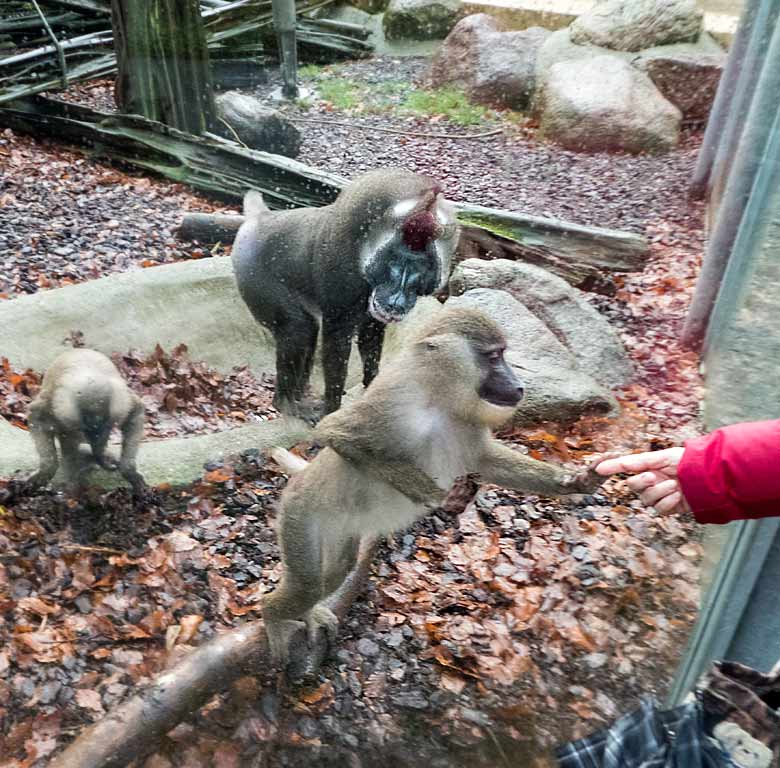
x: 495, y: 356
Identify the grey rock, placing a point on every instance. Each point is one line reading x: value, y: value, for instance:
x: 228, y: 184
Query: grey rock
x: 493, y: 66
x: 411, y: 700
x: 631, y: 25
x: 596, y: 660
x: 686, y: 74
x: 556, y: 390
x: 256, y: 125
x: 604, y: 104
x: 366, y: 647
x: 563, y: 309
x: 421, y: 19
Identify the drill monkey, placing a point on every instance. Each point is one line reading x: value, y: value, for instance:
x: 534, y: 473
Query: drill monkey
x: 354, y: 265
x: 424, y: 421
x: 83, y: 396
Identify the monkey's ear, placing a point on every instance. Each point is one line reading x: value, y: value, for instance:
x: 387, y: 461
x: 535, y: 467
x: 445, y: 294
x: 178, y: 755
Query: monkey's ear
x: 254, y: 204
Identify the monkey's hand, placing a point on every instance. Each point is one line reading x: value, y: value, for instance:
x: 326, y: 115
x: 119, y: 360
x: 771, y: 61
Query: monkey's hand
x: 588, y: 480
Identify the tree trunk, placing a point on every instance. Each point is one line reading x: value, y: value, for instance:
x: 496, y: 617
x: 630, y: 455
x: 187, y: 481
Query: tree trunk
x: 163, y: 63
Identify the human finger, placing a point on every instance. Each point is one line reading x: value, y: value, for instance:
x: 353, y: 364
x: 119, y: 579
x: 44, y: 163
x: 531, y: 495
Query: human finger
x: 639, y: 462
x: 657, y: 492
x: 645, y: 480
x: 670, y: 503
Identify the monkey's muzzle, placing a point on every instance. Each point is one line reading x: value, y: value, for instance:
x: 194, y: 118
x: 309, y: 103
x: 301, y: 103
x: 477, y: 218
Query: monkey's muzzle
x: 383, y: 314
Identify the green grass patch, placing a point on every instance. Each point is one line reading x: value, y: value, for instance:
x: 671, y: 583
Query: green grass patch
x: 310, y: 70
x: 342, y: 94
x: 447, y: 102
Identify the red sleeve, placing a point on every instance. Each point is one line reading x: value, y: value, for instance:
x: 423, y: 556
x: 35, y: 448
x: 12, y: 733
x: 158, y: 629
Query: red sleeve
x: 733, y: 473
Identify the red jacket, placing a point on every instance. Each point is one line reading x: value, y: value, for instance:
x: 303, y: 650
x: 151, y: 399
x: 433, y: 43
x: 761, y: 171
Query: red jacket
x: 733, y: 473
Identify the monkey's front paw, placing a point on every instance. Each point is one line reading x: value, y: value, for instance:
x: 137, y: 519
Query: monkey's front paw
x: 280, y: 634
x: 586, y: 481
x: 322, y: 616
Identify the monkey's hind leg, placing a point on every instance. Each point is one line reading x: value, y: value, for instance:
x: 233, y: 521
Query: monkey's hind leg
x: 340, y: 559
x: 296, y: 341
x: 301, y: 585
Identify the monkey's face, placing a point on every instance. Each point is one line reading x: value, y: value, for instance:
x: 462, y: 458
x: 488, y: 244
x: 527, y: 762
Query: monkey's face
x: 479, y: 383
x: 498, y: 383
x: 408, y: 254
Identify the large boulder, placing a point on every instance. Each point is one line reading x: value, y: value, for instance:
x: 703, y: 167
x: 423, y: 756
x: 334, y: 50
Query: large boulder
x: 559, y: 47
x: 686, y: 74
x: 564, y: 310
x: 256, y: 125
x: 421, y: 19
x: 603, y: 103
x: 493, y: 66
x: 631, y: 25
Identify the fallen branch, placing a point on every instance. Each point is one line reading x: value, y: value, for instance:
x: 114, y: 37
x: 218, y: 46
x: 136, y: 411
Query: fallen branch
x: 134, y: 729
x: 209, y: 164
x: 224, y: 169
x: 580, y: 255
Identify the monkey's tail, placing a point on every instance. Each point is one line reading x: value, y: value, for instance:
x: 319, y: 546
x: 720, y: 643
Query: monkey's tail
x: 289, y: 462
x: 254, y: 204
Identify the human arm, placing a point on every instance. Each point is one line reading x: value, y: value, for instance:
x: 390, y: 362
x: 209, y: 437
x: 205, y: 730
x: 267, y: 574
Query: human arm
x: 730, y: 474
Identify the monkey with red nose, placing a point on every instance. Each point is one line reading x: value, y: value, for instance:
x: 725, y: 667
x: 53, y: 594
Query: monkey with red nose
x: 352, y: 267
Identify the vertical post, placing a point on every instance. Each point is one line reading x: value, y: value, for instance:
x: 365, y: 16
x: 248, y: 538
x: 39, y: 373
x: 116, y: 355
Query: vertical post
x: 748, y: 155
x: 754, y: 62
x: 284, y: 24
x: 738, y: 620
x: 719, y: 114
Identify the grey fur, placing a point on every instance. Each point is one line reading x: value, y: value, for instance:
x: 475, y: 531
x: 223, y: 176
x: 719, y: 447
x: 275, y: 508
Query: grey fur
x: 297, y: 269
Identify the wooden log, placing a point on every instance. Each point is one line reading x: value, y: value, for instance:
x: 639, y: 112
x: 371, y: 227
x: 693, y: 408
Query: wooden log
x: 134, y: 729
x: 580, y: 255
x: 163, y: 67
x: 209, y: 164
x: 224, y: 169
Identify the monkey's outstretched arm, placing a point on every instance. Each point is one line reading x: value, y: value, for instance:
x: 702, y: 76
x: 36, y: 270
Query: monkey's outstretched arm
x: 500, y: 465
x: 362, y: 451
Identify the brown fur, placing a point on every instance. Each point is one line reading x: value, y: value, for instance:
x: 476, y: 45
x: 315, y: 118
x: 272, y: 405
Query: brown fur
x: 391, y: 454
x: 83, y: 396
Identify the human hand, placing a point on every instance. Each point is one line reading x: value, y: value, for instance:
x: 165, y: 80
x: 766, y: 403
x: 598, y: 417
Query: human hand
x: 654, y: 477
